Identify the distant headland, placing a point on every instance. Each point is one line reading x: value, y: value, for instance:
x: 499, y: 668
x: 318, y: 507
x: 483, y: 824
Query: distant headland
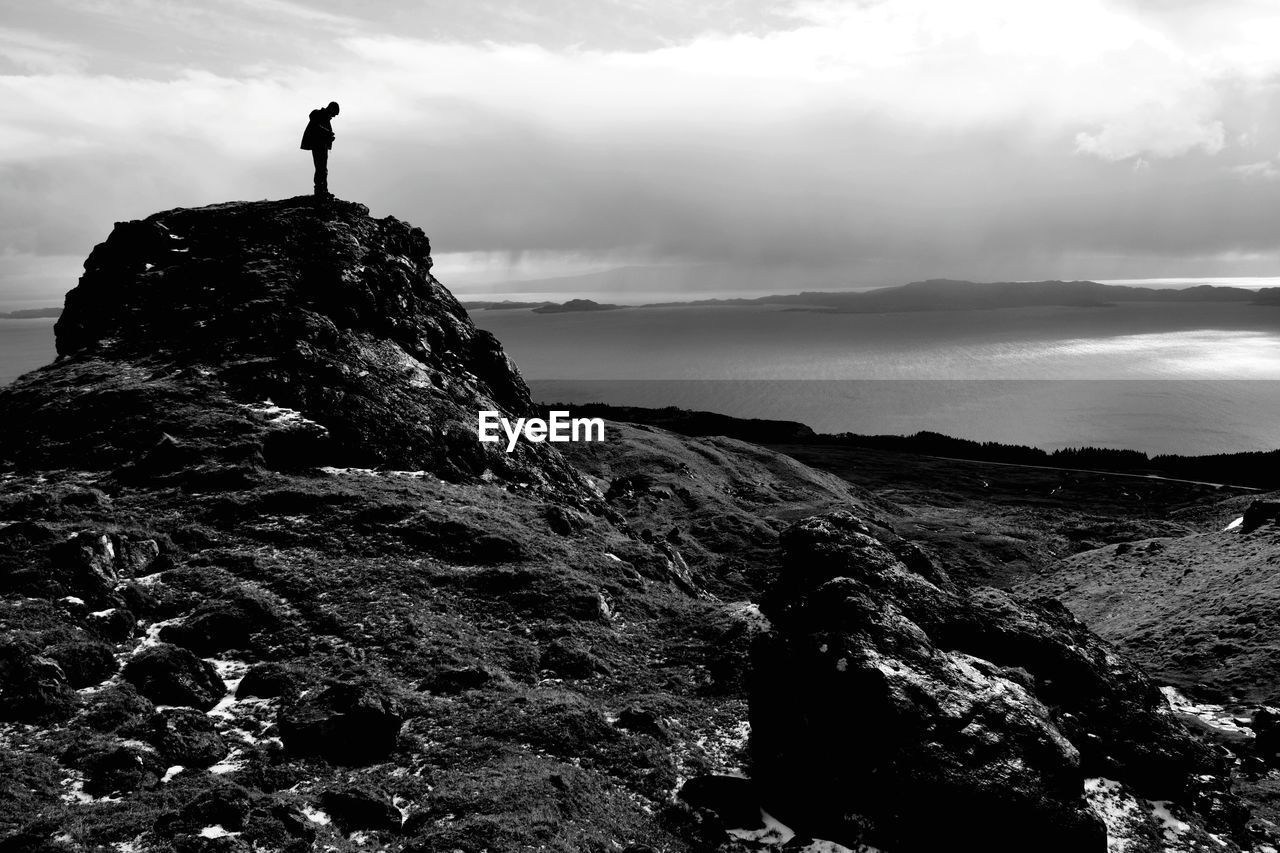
x: 936, y: 295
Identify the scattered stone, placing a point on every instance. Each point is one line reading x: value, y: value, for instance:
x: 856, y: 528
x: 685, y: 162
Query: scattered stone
x: 186, y: 736
x: 122, y: 768
x: 98, y: 560
x: 33, y: 688
x: 27, y: 533
x: 571, y: 659
x: 218, y: 626
x: 360, y: 808
x: 267, y: 681
x: 84, y: 662
x: 564, y: 521
x: 226, y: 805
x: 459, y: 679
x: 116, y: 706
x: 138, y: 600
x: 114, y: 624
x: 732, y: 798
x: 168, y: 675
x: 643, y: 721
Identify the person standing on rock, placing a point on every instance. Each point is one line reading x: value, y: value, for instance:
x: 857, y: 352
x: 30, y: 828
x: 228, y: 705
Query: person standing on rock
x: 318, y: 139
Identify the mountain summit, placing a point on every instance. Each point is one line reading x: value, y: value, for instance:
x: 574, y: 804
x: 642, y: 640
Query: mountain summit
x: 277, y: 332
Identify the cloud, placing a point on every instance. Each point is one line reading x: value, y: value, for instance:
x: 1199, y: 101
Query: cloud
x: 1263, y: 170
x: 1153, y: 134
x: 891, y: 138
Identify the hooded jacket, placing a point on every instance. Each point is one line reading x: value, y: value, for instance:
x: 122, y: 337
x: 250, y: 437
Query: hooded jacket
x: 319, y: 132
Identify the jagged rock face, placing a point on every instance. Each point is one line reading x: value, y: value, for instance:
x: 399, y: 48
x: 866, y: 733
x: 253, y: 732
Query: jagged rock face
x: 185, y: 324
x: 890, y: 707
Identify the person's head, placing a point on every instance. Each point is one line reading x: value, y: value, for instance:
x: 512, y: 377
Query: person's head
x: 332, y: 109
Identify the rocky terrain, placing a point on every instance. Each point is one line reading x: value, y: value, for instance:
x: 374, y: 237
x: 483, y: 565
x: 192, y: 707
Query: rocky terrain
x: 261, y: 588
x: 1199, y: 611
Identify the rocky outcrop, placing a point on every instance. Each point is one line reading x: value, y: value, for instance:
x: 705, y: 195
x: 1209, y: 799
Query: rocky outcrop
x: 890, y: 707
x: 280, y: 334
x: 1259, y: 513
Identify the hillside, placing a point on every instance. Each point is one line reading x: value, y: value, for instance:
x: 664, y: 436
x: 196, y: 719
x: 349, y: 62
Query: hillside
x: 261, y: 588
x: 1198, y: 611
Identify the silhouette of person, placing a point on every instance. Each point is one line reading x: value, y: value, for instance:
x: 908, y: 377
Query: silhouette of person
x: 318, y: 139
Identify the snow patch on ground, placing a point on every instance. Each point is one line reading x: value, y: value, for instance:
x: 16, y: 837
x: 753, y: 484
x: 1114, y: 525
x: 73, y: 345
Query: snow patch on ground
x: 231, y: 672
x: 1132, y: 821
x: 725, y: 747
x: 315, y: 815
x: 749, y: 612
x: 1217, y: 717
x: 280, y: 417
x: 1118, y: 810
x: 73, y: 791
x: 230, y: 764
x: 776, y: 833
x: 374, y: 472
x: 153, y: 634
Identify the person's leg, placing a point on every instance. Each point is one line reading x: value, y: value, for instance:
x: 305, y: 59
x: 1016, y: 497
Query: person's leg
x: 321, y: 158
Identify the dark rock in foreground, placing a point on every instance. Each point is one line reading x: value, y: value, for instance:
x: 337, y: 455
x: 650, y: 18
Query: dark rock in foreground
x: 888, y: 706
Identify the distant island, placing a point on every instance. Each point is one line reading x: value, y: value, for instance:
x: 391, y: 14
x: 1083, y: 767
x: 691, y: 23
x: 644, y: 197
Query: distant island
x: 939, y: 295
x: 31, y: 314
x: 544, y: 307
x: 576, y: 305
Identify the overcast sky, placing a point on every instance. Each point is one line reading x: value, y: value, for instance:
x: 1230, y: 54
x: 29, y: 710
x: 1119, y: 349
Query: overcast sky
x: 695, y: 145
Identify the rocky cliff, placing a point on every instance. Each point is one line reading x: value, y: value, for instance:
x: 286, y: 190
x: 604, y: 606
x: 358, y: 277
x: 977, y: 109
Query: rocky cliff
x: 276, y: 334
x: 262, y: 589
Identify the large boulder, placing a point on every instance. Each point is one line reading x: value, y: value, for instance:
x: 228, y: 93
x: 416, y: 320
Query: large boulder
x: 345, y: 723
x: 1259, y: 513
x: 33, y: 688
x: 210, y: 342
x: 169, y: 675
x: 890, y: 707
x: 219, y: 625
